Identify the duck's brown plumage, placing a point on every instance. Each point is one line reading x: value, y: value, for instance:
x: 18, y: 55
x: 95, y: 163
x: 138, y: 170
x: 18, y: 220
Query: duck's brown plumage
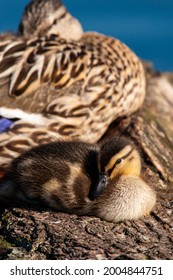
x: 73, y: 88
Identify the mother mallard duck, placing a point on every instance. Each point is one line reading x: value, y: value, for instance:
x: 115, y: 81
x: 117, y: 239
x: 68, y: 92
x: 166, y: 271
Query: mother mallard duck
x: 63, y: 83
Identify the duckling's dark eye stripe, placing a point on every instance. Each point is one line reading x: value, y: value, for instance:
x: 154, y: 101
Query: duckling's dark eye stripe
x: 127, y: 154
x: 124, y: 157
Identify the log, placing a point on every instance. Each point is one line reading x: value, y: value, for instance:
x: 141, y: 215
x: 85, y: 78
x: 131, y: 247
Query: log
x: 32, y: 233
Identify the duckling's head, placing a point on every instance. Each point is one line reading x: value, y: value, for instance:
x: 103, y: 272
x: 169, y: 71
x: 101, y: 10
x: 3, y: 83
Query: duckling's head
x: 44, y: 17
x: 118, y: 157
x: 126, y: 196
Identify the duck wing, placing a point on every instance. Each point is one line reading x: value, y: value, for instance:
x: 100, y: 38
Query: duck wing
x: 29, y: 67
x: 66, y: 88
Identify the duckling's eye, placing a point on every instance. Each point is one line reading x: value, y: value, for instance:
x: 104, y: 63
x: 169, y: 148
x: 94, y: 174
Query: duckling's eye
x: 119, y: 160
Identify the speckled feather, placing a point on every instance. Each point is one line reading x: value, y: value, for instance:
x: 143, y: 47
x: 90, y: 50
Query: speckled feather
x: 65, y: 87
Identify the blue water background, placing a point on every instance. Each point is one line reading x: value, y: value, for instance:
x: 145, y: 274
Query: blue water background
x: 144, y: 25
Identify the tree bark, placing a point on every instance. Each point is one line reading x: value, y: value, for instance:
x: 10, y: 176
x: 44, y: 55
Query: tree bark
x: 30, y: 233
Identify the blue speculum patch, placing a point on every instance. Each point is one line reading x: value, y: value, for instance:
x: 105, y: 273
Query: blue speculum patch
x: 5, y: 124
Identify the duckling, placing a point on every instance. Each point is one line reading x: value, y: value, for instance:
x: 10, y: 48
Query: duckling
x: 44, y: 17
x: 124, y: 195
x: 82, y: 178
x: 59, y: 87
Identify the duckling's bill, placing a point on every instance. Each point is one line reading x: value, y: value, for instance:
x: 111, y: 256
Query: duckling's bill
x: 98, y: 189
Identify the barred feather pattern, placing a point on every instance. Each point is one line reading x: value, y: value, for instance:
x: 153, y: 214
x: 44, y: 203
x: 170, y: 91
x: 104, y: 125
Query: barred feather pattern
x: 77, y: 87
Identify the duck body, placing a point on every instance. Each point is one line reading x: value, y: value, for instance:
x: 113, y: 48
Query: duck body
x: 57, y: 81
x: 82, y: 178
x: 66, y: 88
x: 60, y: 78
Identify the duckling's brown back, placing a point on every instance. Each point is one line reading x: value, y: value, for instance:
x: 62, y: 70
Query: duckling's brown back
x: 59, y: 173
